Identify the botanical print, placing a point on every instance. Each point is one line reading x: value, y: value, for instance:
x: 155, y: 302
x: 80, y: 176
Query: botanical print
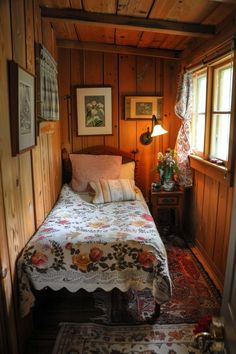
x: 25, y: 108
x: 82, y: 245
x: 144, y: 108
x: 95, y: 111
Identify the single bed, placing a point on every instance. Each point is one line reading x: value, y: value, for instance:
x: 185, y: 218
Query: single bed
x: 88, y: 241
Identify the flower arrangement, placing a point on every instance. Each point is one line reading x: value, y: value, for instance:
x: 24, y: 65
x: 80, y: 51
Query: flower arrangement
x: 167, y: 165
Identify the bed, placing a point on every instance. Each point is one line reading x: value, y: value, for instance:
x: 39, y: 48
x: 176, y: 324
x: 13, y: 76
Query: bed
x: 102, y: 237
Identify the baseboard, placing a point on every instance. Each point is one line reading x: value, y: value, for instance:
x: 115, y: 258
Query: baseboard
x: 206, y: 263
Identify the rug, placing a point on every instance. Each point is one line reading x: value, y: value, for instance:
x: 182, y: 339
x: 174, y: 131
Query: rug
x: 194, y: 294
x: 144, y: 339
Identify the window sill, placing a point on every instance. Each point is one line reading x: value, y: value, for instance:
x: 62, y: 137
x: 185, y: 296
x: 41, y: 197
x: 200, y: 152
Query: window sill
x: 219, y: 173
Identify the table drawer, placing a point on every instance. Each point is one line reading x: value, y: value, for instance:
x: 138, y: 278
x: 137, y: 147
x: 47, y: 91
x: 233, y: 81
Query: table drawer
x: 168, y: 200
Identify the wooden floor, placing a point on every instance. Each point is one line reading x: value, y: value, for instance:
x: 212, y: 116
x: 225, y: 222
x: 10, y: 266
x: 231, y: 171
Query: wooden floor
x: 54, y: 307
x: 41, y: 342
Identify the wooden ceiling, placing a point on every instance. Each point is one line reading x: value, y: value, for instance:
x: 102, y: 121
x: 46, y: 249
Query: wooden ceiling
x: 162, y: 28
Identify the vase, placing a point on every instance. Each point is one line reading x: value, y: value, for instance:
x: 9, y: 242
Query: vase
x: 168, y: 185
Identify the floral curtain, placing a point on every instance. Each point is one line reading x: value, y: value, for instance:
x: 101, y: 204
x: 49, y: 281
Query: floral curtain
x: 183, y: 109
x: 48, y: 86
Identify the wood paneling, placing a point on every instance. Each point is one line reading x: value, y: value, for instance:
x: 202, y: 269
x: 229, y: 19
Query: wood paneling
x: 111, y: 79
x: 8, y: 324
x: 127, y: 75
x: 28, y: 179
x: 209, y: 219
x: 18, y: 32
x: 134, y: 7
x: 38, y: 184
x: 29, y: 34
x: 26, y: 196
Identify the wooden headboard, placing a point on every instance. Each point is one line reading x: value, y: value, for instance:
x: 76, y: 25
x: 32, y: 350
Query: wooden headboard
x: 93, y: 150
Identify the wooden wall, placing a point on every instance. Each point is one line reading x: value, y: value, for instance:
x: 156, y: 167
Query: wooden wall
x: 209, y: 217
x: 210, y: 200
x: 30, y: 182
x: 128, y: 75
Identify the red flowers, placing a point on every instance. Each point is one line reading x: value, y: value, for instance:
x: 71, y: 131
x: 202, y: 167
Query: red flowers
x: 68, y: 246
x: 95, y: 254
x: 203, y: 324
x: 39, y: 259
x: 146, y: 259
x: 147, y: 217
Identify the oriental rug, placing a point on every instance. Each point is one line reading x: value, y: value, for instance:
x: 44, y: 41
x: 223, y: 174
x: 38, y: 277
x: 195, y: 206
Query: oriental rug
x: 144, y: 339
x: 194, y: 294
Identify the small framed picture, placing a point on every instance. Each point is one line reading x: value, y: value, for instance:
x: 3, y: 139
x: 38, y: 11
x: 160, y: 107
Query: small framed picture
x: 94, y: 110
x: 22, y: 109
x: 142, y: 107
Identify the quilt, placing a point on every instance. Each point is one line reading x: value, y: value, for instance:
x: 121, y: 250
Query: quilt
x: 90, y: 246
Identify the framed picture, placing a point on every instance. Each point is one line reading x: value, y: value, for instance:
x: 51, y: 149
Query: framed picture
x: 94, y: 110
x: 142, y: 107
x: 22, y: 109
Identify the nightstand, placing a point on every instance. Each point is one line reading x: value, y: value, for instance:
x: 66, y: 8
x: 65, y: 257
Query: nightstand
x: 171, y: 202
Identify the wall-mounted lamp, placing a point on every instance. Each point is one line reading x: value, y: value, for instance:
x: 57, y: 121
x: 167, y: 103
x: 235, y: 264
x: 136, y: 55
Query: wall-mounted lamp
x: 157, y: 129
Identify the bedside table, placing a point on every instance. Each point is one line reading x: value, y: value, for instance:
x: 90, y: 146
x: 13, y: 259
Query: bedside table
x: 162, y: 200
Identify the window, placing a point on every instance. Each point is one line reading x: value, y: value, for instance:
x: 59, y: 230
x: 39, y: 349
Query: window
x: 199, y: 112
x: 222, y: 93
x: 210, y: 128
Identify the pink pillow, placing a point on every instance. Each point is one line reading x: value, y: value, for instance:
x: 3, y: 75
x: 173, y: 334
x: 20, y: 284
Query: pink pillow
x: 86, y: 168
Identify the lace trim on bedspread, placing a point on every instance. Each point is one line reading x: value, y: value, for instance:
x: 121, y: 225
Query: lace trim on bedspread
x: 81, y: 245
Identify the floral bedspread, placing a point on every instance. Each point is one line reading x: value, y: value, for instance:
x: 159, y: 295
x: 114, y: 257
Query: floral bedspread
x: 82, y: 245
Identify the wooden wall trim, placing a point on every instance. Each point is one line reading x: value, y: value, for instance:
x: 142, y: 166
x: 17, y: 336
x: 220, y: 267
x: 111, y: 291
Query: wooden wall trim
x: 202, y: 256
x: 218, y: 173
x: 119, y: 49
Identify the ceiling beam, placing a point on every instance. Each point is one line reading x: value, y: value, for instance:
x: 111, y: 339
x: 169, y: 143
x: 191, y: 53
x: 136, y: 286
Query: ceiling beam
x: 130, y: 23
x: 119, y: 49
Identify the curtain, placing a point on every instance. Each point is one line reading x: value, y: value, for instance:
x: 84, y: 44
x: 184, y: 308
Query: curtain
x: 49, y: 99
x: 183, y: 109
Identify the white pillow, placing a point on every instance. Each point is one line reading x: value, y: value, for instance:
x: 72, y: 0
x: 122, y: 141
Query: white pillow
x: 113, y: 190
x: 127, y: 170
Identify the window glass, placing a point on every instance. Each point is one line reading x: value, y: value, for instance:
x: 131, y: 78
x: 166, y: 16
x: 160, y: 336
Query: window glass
x: 220, y: 125
x: 220, y: 136
x: 199, y: 112
x: 222, y: 88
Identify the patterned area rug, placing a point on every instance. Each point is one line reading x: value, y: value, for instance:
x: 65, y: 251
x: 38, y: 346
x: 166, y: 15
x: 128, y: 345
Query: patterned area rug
x: 194, y: 294
x: 145, y: 339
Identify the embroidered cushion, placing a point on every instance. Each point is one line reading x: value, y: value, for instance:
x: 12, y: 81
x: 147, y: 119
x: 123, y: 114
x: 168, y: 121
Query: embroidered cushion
x: 113, y: 190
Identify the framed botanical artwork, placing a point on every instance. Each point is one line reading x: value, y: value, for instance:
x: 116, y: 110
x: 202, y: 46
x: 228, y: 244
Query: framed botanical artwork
x: 143, y: 107
x: 94, y: 110
x: 22, y: 109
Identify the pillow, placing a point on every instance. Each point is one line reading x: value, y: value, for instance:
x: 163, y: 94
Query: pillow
x: 86, y: 168
x: 127, y: 170
x: 113, y: 190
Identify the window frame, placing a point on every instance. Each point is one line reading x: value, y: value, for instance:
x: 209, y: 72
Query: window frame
x: 206, y: 156
x: 199, y: 73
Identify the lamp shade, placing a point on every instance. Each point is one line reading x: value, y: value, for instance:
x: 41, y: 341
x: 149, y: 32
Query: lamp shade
x: 158, y: 130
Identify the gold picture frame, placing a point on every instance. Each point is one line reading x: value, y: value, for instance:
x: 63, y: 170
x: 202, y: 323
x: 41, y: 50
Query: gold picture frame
x: 143, y: 107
